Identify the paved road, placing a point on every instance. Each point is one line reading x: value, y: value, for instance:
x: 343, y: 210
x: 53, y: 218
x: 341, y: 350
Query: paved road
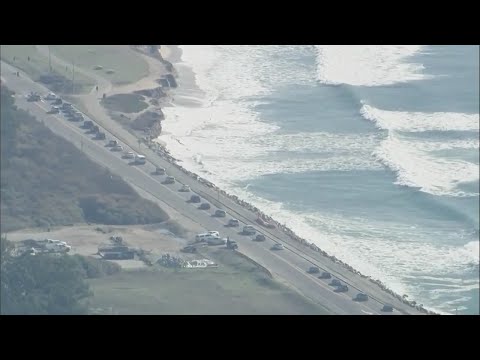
x: 289, y: 264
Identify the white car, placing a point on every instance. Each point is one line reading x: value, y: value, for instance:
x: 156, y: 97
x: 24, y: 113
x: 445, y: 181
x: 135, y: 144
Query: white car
x: 185, y: 188
x: 51, y: 96
x: 129, y: 155
x: 214, y: 233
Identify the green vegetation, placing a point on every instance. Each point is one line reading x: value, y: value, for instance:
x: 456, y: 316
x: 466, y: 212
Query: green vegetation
x: 47, y: 284
x: 46, y: 181
x: 35, y: 64
x: 236, y: 287
x: 118, y: 63
x: 127, y: 103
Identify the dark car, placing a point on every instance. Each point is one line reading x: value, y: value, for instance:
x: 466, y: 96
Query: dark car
x: 220, y: 213
x: 336, y: 282
x: 57, y: 102
x: 204, y: 206
x: 361, y: 297
x: 195, y: 199
x: 100, y: 136
x: 259, y: 237
x: 342, y: 288
x: 325, y: 275
x: 87, y: 124
x: 387, y: 308
x: 313, y: 270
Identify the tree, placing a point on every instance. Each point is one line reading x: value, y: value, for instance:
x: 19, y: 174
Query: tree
x: 41, y: 284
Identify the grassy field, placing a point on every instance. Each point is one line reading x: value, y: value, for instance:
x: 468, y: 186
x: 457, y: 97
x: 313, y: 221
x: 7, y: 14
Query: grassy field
x: 118, y: 63
x: 236, y: 287
x: 38, y: 65
x: 127, y: 103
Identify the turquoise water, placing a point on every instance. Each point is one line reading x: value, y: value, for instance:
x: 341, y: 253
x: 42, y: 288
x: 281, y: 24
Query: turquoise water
x: 370, y: 152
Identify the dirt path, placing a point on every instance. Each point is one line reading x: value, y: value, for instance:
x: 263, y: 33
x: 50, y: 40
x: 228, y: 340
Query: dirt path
x: 91, y: 102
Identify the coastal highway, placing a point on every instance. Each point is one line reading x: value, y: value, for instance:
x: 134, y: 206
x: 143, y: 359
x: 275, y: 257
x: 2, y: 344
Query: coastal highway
x: 289, y: 264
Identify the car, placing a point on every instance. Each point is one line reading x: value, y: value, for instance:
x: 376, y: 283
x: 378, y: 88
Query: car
x: 204, y: 206
x: 278, y: 246
x: 185, y: 188
x: 220, y: 213
x: 129, y: 155
x: 361, y: 297
x: 100, y: 136
x: 214, y: 233
x: 51, y: 96
x: 160, y: 171
x: 87, y: 124
x: 325, y: 275
x: 342, y: 288
x: 259, y: 237
x: 313, y: 270
x: 57, y: 101
x: 53, y: 110
x: 387, y: 308
x: 195, y: 199
x: 169, y: 180
x: 335, y: 282
x: 112, y: 143
x: 117, y: 148
x: 249, y: 230
x: 233, y: 223
x: 32, y: 97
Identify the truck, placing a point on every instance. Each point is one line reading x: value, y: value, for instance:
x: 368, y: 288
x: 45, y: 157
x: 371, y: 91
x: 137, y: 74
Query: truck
x: 116, y: 252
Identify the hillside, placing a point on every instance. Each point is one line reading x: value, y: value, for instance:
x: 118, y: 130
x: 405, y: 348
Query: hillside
x: 46, y: 181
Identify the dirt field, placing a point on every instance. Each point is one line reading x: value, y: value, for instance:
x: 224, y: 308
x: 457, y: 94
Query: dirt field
x: 85, y: 239
x: 235, y: 287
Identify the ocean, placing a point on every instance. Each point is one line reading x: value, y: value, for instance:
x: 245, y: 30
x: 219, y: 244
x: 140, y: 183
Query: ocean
x: 369, y: 151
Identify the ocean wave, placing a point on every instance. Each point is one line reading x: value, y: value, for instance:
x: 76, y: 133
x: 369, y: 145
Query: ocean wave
x: 416, y: 168
x: 419, y: 122
x: 367, y: 65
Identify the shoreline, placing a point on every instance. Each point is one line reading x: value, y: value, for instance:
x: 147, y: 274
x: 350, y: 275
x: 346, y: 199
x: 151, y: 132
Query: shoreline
x: 172, y: 54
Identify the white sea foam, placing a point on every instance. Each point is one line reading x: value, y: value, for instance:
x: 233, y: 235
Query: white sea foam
x: 418, y: 121
x: 419, y: 169
x: 367, y: 65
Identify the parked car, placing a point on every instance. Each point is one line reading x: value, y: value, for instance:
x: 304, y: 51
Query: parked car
x: 54, y: 110
x: 88, y: 124
x: 233, y: 223
x: 278, y: 247
x: 129, y: 155
x: 57, y: 102
x: 335, y: 282
x: 249, y: 230
x: 195, y: 199
x: 160, y: 171
x: 117, y: 148
x: 204, y: 206
x: 220, y: 213
x: 169, y: 180
x: 361, y: 297
x: 313, y: 270
x: 325, y: 275
x: 259, y: 237
x: 387, y: 308
x: 185, y: 188
x: 51, y: 96
x: 342, y: 288
x: 112, y: 143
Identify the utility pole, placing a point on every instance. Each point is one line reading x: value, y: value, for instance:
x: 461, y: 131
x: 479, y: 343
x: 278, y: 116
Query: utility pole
x: 81, y: 145
x: 49, y: 59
